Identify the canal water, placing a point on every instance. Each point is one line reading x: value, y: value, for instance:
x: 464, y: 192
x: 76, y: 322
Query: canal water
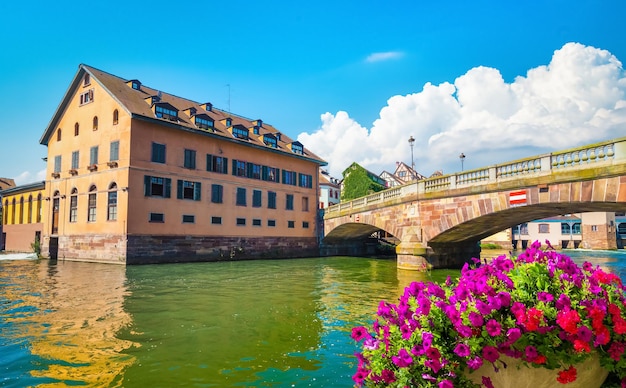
x: 272, y: 323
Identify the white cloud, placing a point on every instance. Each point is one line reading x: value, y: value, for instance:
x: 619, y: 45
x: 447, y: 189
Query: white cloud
x: 28, y: 177
x: 385, y: 56
x: 578, y: 98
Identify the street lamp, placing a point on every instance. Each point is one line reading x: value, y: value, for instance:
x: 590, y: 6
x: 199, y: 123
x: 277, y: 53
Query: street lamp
x: 462, y: 157
x: 411, y: 142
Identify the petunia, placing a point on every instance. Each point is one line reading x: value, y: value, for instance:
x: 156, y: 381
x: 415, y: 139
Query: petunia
x: 487, y: 382
x: 490, y: 353
x: 475, y: 363
x: 462, y: 350
x: 359, y: 333
x: 446, y: 384
x: 493, y: 328
x: 545, y: 297
x: 530, y: 352
x: 403, y: 359
x: 475, y: 319
x: 567, y: 376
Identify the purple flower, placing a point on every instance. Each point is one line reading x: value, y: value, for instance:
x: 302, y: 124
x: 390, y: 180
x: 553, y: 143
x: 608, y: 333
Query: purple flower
x: 493, y: 328
x: 487, y: 382
x: 403, y: 359
x: 371, y: 344
x: 462, y: 350
x: 513, y: 334
x: 530, y: 352
x: 427, y: 339
x: 464, y: 331
x: 563, y: 302
x: 475, y: 319
x: 433, y: 353
x: 446, y: 384
x: 475, y: 363
x: 584, y: 333
x: 490, y: 353
x: 545, y: 297
x: 435, y: 365
x: 359, y: 333
x: 483, y: 307
x: 505, y: 298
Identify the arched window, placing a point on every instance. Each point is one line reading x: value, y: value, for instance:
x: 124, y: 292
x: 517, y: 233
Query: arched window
x: 74, y: 205
x: 21, y: 210
x: 59, y: 134
x: 56, y: 205
x: 39, y: 207
x: 112, y: 202
x: 13, y: 211
x: 91, y: 205
x: 116, y: 117
x: 30, y: 209
x: 6, y: 211
x: 76, y: 129
x: 95, y: 123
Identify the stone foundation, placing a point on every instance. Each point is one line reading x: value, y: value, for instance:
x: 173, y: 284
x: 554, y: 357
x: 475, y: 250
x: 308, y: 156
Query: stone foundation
x: 105, y: 248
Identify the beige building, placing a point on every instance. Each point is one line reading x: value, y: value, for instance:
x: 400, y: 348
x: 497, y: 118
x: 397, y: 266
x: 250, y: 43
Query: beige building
x: 20, y: 217
x: 137, y: 175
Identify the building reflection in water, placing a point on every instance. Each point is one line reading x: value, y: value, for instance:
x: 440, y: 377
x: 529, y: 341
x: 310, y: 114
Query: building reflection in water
x: 70, y: 315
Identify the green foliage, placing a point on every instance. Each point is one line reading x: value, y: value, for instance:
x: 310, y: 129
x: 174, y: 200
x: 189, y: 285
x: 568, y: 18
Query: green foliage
x: 490, y: 246
x: 36, y: 247
x: 357, y: 183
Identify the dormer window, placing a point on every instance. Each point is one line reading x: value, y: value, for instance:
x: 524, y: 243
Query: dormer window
x: 296, y: 148
x: 166, y: 111
x: 86, y: 80
x: 277, y: 134
x: 192, y: 111
x: 208, y: 107
x: 229, y: 122
x: 270, y: 140
x: 134, y: 84
x: 240, y: 132
x: 259, y: 123
x: 204, y: 122
x: 256, y: 129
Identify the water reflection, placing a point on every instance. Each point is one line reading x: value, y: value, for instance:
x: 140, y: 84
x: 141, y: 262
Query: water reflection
x: 64, y: 317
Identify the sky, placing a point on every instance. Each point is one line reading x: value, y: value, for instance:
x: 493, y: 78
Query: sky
x: 352, y: 80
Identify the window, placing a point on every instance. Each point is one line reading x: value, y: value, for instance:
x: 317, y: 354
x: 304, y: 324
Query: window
x: 594, y: 228
x: 270, y: 174
x: 271, y: 223
x: 38, y: 210
x: 158, y: 153
x: 241, y: 196
x: 112, y: 203
x: 91, y: 206
x: 256, y: 130
x: 216, y: 164
x: 241, y: 222
x: 544, y: 228
x: 217, y: 193
x: 157, y: 217
x: 93, y: 155
x: 86, y: 80
x: 305, y: 204
x: 289, y: 202
x: 95, y: 123
x: 116, y: 117
x: 188, y: 190
x: 229, y: 122
x: 76, y: 129
x: 157, y: 186
x: 21, y: 210
x: 30, y: 209
x: 189, y: 219
x: 163, y: 112
x: 216, y: 220
x: 239, y: 168
x: 565, y: 228
x: 204, y: 123
x: 190, y: 159
x: 240, y: 133
x: 523, y: 229
x: 75, y: 156
x: 297, y: 148
x: 289, y: 177
x: 86, y: 97
x: 269, y: 140
x: 305, y: 225
x: 254, y: 171
x: 135, y: 85
x: 256, y: 198
x: 114, y: 152
x: 291, y: 224
x: 57, y: 164
x: 256, y: 222
x: 271, y: 200
x: 59, y: 134
x: 576, y: 228
x: 306, y: 180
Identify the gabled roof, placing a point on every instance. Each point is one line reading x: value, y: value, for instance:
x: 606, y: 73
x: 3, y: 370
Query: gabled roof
x: 133, y: 101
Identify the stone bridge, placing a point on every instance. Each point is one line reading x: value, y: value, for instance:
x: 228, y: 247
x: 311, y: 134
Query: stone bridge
x: 440, y: 221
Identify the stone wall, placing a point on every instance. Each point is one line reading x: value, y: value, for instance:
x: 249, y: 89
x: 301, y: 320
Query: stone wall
x: 171, y: 249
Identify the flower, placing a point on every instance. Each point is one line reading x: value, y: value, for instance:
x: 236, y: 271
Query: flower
x: 540, y: 308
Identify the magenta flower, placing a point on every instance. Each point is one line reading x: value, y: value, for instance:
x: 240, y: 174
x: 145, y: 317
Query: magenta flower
x: 475, y: 319
x: 359, y: 333
x: 388, y: 376
x: 513, y: 334
x: 530, y: 352
x: 446, y: 384
x: 435, y: 365
x: 487, y: 382
x: 490, y: 353
x: 545, y: 297
x: 462, y: 350
x: 403, y: 359
x: 493, y: 327
x: 475, y: 363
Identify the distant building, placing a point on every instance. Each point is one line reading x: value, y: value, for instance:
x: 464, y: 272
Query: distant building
x: 6, y: 183
x: 358, y: 181
x: 402, y: 175
x: 330, y: 190
x: 21, y: 217
x: 137, y: 175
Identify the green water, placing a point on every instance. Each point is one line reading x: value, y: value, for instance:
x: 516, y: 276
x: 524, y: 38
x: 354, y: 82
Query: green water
x: 273, y: 323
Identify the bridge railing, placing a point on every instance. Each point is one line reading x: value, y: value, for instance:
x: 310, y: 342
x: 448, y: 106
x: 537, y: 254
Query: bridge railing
x: 609, y: 152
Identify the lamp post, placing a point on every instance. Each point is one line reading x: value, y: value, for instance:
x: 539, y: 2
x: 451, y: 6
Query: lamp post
x: 462, y: 157
x: 411, y: 142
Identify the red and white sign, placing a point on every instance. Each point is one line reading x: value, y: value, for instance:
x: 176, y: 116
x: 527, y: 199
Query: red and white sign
x: 517, y: 198
x: 358, y: 218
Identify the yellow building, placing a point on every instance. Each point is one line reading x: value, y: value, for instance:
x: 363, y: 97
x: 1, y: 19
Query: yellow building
x: 136, y: 175
x: 20, y: 220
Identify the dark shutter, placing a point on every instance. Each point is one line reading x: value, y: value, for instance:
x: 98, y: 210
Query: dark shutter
x: 179, y: 189
x: 146, y: 185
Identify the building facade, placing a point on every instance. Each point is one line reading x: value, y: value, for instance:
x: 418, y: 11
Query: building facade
x: 136, y: 175
x: 330, y: 191
x: 21, y: 217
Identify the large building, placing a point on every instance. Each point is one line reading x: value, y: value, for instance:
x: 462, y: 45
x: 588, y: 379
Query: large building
x: 20, y: 217
x: 137, y: 175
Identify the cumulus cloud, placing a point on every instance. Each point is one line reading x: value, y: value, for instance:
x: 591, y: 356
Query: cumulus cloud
x: 28, y: 177
x: 578, y: 98
x: 385, y: 56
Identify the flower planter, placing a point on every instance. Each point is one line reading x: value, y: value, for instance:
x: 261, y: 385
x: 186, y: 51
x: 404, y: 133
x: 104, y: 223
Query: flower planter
x: 589, y: 374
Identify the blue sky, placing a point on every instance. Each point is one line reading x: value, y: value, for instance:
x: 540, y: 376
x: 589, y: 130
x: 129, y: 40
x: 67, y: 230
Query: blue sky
x: 351, y: 79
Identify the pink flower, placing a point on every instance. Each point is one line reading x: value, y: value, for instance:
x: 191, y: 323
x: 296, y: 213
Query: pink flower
x: 359, y: 333
x: 403, y: 359
x: 493, y: 328
x: 490, y: 353
x: 462, y: 350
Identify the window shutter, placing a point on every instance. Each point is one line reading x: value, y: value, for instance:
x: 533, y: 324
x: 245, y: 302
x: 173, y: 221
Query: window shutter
x: 264, y: 173
x: 234, y: 166
x: 146, y: 185
x: 168, y: 187
x: 209, y: 162
x: 197, y: 191
x: 225, y: 164
x: 179, y: 190
x: 249, y: 172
